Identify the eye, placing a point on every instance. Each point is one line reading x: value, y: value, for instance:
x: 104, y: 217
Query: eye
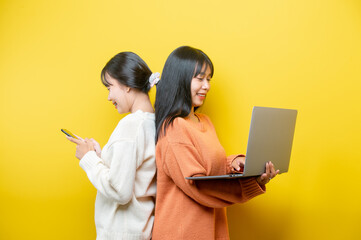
x: 200, y: 76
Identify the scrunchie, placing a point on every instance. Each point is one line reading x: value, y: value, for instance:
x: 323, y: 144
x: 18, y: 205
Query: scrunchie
x: 154, y: 79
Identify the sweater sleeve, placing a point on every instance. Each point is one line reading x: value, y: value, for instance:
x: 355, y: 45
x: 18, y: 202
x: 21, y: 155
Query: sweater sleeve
x: 211, y: 193
x: 115, y: 181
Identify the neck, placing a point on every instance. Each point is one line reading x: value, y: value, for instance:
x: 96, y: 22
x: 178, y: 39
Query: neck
x: 192, y: 116
x: 141, y: 102
x: 192, y: 111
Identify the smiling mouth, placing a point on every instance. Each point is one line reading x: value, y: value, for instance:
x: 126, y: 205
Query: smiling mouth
x: 201, y: 95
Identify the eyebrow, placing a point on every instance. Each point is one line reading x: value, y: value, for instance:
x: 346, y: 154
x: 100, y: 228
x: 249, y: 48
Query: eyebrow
x: 204, y: 73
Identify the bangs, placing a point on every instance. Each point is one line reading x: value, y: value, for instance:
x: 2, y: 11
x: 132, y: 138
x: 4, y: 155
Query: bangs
x: 199, y: 67
x: 104, y: 79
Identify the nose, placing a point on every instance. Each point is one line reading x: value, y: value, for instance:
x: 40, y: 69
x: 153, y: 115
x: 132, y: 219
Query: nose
x: 206, y: 85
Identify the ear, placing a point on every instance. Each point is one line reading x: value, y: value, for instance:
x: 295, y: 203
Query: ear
x: 128, y: 89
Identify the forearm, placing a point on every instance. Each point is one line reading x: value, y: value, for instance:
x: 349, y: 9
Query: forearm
x: 230, y: 190
x: 99, y: 175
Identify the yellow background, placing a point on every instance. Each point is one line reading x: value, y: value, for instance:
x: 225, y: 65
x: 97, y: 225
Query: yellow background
x: 304, y: 55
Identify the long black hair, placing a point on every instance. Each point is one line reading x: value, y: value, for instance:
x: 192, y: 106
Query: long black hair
x: 128, y: 69
x: 173, y: 97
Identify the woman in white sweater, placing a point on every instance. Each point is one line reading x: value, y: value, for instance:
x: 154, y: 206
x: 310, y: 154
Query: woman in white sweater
x: 124, y: 171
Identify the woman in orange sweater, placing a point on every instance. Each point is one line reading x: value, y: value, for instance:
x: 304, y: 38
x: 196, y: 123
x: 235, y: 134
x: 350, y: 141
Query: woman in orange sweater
x: 187, y: 145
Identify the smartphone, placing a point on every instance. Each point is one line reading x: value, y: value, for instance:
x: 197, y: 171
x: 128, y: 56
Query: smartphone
x: 68, y: 133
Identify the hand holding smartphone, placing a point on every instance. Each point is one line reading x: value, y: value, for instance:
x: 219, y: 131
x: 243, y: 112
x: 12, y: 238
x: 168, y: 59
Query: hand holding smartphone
x: 79, y: 141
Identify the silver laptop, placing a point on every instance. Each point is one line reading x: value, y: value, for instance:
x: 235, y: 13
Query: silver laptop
x: 270, y: 139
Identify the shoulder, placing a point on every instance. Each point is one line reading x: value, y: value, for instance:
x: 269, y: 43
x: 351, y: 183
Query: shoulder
x: 179, y: 131
x: 180, y: 122
x: 144, y: 120
x: 134, y: 124
x: 206, y: 121
x: 204, y: 117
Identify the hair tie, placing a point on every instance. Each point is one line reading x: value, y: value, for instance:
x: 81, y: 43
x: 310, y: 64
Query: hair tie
x: 154, y: 79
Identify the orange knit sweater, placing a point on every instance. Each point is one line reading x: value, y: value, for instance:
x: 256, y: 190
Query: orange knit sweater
x: 187, y: 209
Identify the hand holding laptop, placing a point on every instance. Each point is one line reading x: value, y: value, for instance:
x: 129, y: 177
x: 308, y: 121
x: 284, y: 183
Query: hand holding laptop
x: 268, y: 175
x: 238, y: 166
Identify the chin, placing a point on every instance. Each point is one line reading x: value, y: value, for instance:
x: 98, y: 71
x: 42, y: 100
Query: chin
x: 197, y: 104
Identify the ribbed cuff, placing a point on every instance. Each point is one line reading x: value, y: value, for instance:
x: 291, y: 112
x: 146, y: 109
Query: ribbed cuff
x: 89, y: 161
x: 251, y: 188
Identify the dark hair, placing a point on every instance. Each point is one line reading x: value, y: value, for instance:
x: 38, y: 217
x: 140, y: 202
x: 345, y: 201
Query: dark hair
x: 173, y: 97
x: 128, y: 69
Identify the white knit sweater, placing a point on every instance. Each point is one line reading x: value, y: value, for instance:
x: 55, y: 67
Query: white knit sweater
x: 125, y: 179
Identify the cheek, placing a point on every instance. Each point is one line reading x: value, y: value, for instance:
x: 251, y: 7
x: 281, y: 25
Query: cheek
x: 195, y: 87
x: 118, y: 94
x: 122, y: 100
